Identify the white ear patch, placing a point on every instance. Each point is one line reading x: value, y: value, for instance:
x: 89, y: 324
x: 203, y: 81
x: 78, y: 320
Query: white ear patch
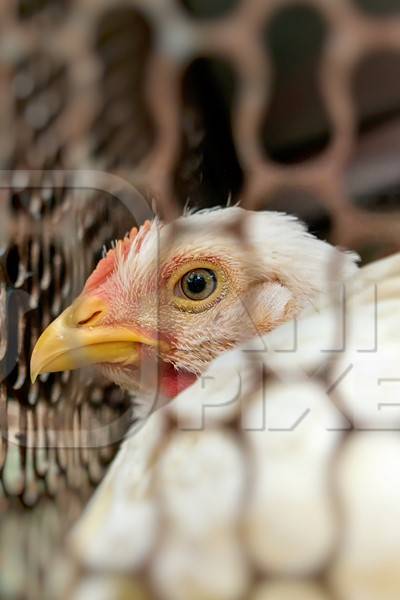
x: 268, y: 305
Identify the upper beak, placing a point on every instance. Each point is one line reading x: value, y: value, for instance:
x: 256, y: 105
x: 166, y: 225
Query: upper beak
x: 77, y: 338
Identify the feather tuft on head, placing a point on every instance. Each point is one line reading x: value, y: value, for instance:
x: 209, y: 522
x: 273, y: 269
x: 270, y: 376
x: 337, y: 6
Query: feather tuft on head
x: 120, y: 249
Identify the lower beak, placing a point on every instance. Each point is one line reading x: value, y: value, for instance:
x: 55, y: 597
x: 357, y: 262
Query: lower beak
x: 75, y: 340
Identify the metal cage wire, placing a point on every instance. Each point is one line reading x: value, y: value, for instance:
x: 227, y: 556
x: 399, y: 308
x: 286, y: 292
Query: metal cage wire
x: 86, y: 85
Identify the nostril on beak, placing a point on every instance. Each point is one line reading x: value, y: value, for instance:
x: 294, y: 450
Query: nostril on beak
x: 91, y: 319
x: 87, y: 311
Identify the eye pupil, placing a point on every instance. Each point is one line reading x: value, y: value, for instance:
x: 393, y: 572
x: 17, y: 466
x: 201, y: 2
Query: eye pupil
x: 196, y: 283
x: 199, y: 284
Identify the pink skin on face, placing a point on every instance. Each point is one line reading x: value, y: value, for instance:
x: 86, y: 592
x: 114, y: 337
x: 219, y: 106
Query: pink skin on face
x: 171, y: 382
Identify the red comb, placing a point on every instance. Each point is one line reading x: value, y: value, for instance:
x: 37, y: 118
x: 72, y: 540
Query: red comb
x: 107, y: 264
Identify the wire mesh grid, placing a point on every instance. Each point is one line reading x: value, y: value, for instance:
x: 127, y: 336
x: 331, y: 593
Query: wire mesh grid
x: 87, y: 85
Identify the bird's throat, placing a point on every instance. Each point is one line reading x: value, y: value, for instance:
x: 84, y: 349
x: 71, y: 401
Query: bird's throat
x: 173, y: 382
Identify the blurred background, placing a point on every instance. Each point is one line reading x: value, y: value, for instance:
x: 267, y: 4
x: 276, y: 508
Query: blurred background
x: 286, y: 105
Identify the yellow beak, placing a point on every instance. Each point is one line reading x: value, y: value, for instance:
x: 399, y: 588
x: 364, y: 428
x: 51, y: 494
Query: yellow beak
x: 77, y: 338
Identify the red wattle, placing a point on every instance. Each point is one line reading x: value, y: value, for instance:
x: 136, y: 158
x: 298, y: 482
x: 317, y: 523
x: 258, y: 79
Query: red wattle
x: 173, y: 382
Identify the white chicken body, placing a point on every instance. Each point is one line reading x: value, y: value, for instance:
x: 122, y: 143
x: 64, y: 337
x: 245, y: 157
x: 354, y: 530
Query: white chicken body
x: 288, y: 492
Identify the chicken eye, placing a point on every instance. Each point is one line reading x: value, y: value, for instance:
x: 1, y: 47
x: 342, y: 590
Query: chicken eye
x: 198, y: 284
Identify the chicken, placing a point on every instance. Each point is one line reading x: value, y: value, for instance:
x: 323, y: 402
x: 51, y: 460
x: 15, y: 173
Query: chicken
x: 280, y: 461
x: 308, y: 481
x: 168, y: 299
